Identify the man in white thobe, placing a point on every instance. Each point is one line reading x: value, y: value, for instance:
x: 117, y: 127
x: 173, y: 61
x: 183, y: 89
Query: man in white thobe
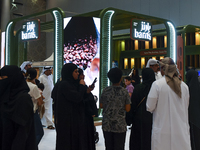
x: 168, y: 100
x: 154, y: 64
x: 47, y: 80
x: 25, y: 65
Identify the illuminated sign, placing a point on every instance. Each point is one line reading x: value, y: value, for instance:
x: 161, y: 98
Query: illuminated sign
x: 30, y: 30
x: 141, y: 30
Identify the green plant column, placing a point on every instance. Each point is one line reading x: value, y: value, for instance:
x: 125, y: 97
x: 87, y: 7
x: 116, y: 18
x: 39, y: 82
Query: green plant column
x: 58, y: 47
x: 105, y: 54
x: 171, y: 41
x: 8, y: 41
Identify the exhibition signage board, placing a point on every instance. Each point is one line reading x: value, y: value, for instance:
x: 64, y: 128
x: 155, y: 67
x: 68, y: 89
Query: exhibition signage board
x: 140, y: 30
x: 153, y: 52
x: 30, y: 30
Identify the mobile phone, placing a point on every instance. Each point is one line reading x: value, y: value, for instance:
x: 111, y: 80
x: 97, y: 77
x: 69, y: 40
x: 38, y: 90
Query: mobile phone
x: 95, y: 80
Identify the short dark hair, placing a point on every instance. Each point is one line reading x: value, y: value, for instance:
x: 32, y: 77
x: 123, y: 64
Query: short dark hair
x: 41, y: 86
x: 128, y: 78
x: 114, y: 75
x: 31, y: 74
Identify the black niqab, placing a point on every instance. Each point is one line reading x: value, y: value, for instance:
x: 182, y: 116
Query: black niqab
x: 194, y: 103
x: 13, y: 86
x: 148, y: 77
x: 16, y: 79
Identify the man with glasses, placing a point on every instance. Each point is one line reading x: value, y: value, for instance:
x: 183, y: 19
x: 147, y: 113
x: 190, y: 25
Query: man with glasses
x: 154, y: 64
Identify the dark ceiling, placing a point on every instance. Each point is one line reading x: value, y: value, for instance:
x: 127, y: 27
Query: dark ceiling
x: 122, y: 19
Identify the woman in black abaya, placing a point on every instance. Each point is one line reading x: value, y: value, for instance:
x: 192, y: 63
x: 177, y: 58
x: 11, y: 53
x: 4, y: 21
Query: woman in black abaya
x: 69, y: 111
x: 90, y: 112
x: 135, y: 77
x: 16, y: 111
x: 194, y: 108
x: 140, y: 138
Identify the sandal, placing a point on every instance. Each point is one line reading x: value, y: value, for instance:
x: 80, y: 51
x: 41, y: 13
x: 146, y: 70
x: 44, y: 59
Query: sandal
x: 50, y: 127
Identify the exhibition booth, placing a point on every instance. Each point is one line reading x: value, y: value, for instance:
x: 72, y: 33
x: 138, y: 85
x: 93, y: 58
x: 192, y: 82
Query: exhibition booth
x: 85, y: 39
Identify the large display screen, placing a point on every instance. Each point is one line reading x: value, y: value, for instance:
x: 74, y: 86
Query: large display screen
x: 81, y: 47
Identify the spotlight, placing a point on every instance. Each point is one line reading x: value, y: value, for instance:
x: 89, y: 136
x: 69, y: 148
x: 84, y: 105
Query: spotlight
x: 17, y: 3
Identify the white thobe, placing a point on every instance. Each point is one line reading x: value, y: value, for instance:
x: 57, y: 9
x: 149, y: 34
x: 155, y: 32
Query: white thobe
x: 170, y: 130
x: 158, y: 75
x: 48, y: 87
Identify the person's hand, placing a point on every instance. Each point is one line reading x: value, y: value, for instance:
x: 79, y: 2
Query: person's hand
x: 133, y: 80
x: 42, y: 96
x: 82, y: 82
x: 90, y: 88
x: 40, y: 101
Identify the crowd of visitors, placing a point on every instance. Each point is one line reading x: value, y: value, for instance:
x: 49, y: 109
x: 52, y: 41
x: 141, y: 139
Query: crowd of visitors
x: 162, y: 109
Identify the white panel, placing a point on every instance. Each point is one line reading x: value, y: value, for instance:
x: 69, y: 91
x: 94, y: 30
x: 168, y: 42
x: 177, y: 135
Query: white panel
x: 2, y: 49
x: 135, y: 6
x: 145, y: 7
x: 174, y: 11
x: 164, y: 9
x: 195, y: 12
x: 154, y: 8
x: 185, y: 12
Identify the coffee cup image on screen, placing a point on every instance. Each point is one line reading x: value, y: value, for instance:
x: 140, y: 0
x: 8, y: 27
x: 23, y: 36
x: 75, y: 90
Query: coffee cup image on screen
x: 81, y: 46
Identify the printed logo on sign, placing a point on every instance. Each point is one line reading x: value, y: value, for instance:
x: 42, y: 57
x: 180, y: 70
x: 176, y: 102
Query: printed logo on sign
x: 141, y: 30
x: 30, y: 30
x: 135, y: 23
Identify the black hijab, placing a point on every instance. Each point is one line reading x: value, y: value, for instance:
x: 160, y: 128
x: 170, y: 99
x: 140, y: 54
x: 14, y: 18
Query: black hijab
x: 148, y: 77
x: 11, y: 87
x: 194, y: 103
x: 67, y: 71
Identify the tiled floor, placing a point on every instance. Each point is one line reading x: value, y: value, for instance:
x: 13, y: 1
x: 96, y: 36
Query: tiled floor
x: 49, y: 139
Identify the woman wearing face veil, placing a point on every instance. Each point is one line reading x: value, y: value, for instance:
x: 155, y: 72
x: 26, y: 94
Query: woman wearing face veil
x: 68, y: 95
x: 16, y: 111
x: 140, y: 138
x: 194, y: 108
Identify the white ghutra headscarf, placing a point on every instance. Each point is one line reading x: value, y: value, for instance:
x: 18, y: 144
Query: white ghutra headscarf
x: 23, y: 65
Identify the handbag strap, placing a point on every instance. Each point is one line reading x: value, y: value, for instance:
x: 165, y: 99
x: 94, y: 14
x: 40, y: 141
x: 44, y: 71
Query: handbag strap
x: 141, y: 102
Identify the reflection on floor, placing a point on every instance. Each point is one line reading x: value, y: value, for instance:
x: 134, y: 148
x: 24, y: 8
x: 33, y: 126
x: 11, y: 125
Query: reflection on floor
x: 49, y: 139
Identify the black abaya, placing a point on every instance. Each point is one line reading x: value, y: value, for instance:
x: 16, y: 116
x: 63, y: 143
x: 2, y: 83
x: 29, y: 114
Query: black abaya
x: 16, y: 113
x: 194, y: 108
x: 90, y: 110
x: 70, y: 117
x: 140, y: 138
x: 70, y: 112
